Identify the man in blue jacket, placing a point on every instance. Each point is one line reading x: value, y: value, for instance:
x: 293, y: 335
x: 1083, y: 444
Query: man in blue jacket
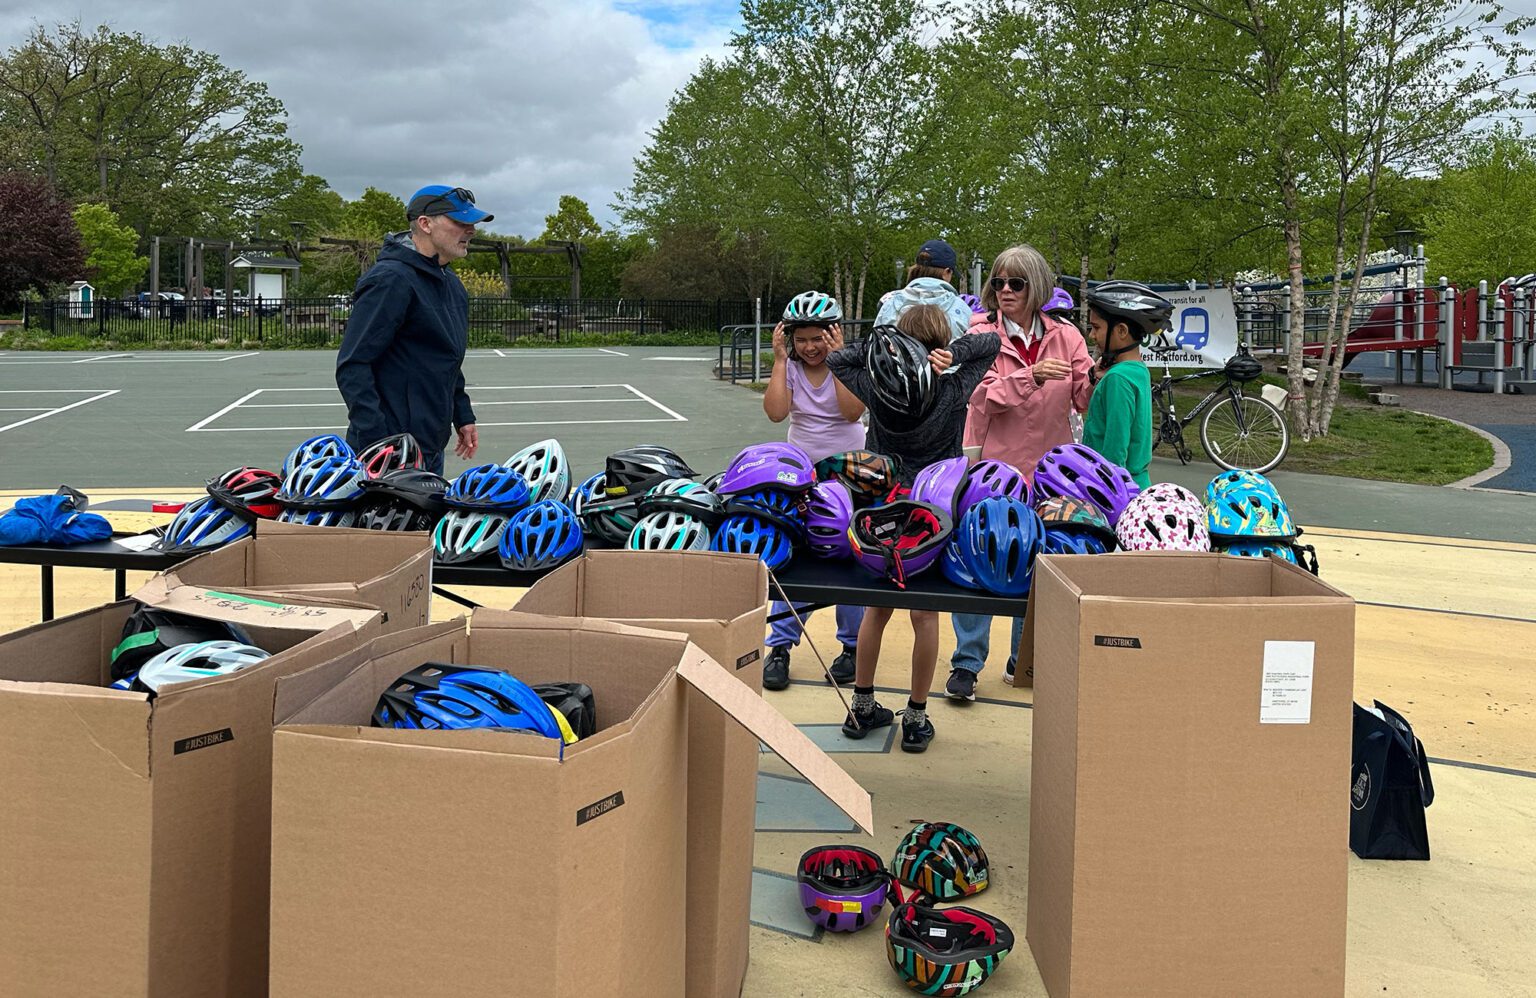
x: 401, y: 364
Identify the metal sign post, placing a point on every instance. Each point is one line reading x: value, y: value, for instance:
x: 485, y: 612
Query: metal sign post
x: 757, y: 341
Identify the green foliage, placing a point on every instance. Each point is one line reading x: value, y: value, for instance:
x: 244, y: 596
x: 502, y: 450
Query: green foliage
x: 111, y: 248
x: 1483, y: 221
x: 572, y: 221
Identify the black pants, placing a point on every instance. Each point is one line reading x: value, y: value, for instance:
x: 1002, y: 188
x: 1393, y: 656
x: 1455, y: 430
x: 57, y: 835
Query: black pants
x: 433, y: 461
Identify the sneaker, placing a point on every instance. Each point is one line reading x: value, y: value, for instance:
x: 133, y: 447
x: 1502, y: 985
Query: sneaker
x: 776, y: 668
x: 1008, y: 674
x: 915, y: 737
x: 859, y: 725
x: 843, y: 666
x: 961, y: 686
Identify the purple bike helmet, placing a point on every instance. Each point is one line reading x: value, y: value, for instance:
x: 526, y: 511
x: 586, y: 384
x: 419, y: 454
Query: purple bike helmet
x: 842, y: 888
x: 940, y: 482
x: 775, y: 465
x: 828, y: 513
x: 986, y: 479
x: 974, y: 302
x: 1081, y: 473
x: 1059, y: 301
x: 900, y: 539
x: 998, y: 540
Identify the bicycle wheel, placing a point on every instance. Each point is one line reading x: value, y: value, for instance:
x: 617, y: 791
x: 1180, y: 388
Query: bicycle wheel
x: 1245, y: 433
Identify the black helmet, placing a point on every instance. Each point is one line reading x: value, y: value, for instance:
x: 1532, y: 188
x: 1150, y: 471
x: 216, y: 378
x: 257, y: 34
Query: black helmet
x: 574, y: 702
x: 634, y: 470
x: 903, y: 377
x: 1142, y: 310
x: 148, y: 632
x: 404, y: 499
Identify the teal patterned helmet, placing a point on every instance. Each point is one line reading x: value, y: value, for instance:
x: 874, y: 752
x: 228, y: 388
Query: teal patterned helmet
x: 813, y: 308
x: 945, y: 951
x: 1260, y: 548
x: 1246, y: 504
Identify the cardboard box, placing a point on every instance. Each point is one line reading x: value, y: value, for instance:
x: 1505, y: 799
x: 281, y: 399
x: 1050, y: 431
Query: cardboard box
x: 134, y: 833
x: 720, y: 602
x: 386, y: 569
x: 525, y: 872
x: 1188, y: 833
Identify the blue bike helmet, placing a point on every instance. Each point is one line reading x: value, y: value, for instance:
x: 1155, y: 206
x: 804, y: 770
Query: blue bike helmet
x: 954, y: 569
x: 772, y: 506
x: 319, y: 517
x: 540, y: 537
x: 440, y: 697
x: 202, y: 525
x: 1258, y: 547
x: 323, y: 483
x: 744, y: 534
x: 489, y: 486
x: 998, y: 539
x: 588, y: 491
x: 328, y: 445
x: 1071, y: 542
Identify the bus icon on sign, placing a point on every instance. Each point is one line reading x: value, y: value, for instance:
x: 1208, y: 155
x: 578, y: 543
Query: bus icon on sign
x: 1194, y: 328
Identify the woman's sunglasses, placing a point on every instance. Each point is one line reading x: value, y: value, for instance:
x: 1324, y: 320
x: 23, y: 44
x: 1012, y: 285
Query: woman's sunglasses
x: 1014, y: 284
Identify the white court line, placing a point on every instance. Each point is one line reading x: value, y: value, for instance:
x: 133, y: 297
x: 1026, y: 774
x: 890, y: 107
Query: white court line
x: 106, y: 356
x: 233, y: 405
x: 500, y: 354
x: 62, y: 408
x: 123, y: 358
x: 676, y: 416
x: 35, y: 408
x: 616, y: 353
x: 691, y: 360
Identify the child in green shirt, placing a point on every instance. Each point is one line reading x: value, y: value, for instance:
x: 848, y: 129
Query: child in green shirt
x: 1121, y: 315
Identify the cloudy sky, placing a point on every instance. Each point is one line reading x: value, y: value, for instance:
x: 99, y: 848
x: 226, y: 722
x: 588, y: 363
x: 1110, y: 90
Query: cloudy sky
x: 520, y: 101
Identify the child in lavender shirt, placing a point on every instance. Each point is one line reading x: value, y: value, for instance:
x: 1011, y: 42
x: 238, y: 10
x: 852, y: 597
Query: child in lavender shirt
x: 823, y: 420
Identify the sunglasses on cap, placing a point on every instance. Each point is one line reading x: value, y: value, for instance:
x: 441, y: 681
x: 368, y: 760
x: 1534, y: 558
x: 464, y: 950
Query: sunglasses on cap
x: 1014, y: 284
x: 463, y: 194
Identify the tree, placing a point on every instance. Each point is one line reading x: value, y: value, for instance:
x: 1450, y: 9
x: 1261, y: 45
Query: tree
x: 572, y: 221
x: 1483, y: 222
x: 41, y: 244
x: 111, y: 248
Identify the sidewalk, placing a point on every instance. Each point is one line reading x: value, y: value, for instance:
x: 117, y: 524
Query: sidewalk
x: 1511, y: 418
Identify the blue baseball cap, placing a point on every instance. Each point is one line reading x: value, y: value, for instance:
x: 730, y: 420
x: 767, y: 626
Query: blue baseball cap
x: 458, y: 203
x: 937, y: 253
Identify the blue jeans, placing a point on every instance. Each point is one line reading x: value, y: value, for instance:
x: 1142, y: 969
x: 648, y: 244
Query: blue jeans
x: 973, y: 636
x: 786, y: 631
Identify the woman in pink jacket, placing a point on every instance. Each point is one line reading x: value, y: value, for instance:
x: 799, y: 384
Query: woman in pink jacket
x: 1018, y: 412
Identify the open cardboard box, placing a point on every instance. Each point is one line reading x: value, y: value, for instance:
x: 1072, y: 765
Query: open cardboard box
x: 134, y: 832
x: 532, y: 870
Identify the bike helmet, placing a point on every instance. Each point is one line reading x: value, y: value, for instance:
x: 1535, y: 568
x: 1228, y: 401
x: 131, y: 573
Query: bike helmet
x: 488, y: 486
x: 466, y: 534
x: 939, y: 483
x: 436, y: 696
x: 975, y: 303
x: 945, y: 951
x: 1230, y: 479
x: 1059, y: 302
x: 148, y: 632
x: 842, y: 888
x: 1068, y: 542
x: 202, y: 525
x: 768, y: 466
x: 1081, y: 473
x: 545, y: 469
x: 940, y: 861
x: 742, y: 534
x: 955, y: 569
x: 904, y: 382
x: 812, y: 308
x: 998, y: 539
x: 319, y: 517
x: 1256, y: 548
x: 669, y: 532
x: 778, y: 508
x: 1068, y: 515
x: 328, y: 445
x: 828, y: 513
x: 588, y: 491
x: 540, y: 537
x: 574, y: 702
x: 1143, y: 310
x: 324, y: 483
x: 184, y: 663
x: 900, y: 539
x: 391, y: 454
x: 680, y: 495
x: 869, y: 476
x: 636, y: 469
x: 247, y: 492
x: 1153, y: 523
x: 989, y: 478
x: 1250, y: 510
x: 609, y: 520
x: 404, y: 499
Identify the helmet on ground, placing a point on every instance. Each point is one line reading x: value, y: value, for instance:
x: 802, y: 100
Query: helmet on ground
x: 669, y: 532
x: 990, y: 478
x: 319, y: 517
x: 545, y: 469
x: 778, y: 508
x: 775, y: 465
x: 900, y: 539
x: 974, y: 303
x: 945, y: 951
x: 940, y: 861
x: 904, y: 382
x: 954, y: 568
x: 1151, y: 523
x: 436, y: 696
x: 391, y: 454
x: 202, y: 524
x: 324, y: 483
x: 842, y: 888
x: 939, y: 483
x: 681, y: 495
x: 1249, y: 510
x: 488, y: 486
x: 247, y: 492
x: 609, y: 520
x: 147, y: 632
x: 635, y: 469
x: 1070, y: 515
x: 184, y: 663
x: 997, y: 540
x: 828, y: 513
x: 812, y: 308
x: 540, y: 537
x: 869, y: 476
x: 404, y: 499
x: 1257, y: 548
x: 574, y: 702
x: 328, y: 445
x: 466, y: 534
x: 1081, y: 473
x: 1143, y: 310
x: 1069, y: 542
x: 743, y: 534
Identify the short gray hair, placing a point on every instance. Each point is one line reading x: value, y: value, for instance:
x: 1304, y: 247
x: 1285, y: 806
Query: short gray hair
x: 1021, y: 261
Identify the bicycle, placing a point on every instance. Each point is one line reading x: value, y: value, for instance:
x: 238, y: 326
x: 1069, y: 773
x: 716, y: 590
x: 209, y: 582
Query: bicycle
x: 1239, y: 432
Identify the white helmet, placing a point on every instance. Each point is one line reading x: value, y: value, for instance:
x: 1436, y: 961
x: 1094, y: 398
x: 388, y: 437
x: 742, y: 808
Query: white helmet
x: 545, y: 469
x: 466, y: 534
x: 681, y: 495
x: 812, y: 308
x: 198, y: 660
x: 669, y: 532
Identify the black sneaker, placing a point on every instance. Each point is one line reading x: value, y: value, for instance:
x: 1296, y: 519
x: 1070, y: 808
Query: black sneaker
x: 961, y: 686
x: 1008, y: 676
x: 915, y: 737
x: 843, y: 666
x: 776, y: 668
x: 857, y: 725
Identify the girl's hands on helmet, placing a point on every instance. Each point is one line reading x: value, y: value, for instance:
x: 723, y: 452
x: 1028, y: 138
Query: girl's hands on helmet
x: 834, y: 337
x: 780, y: 347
